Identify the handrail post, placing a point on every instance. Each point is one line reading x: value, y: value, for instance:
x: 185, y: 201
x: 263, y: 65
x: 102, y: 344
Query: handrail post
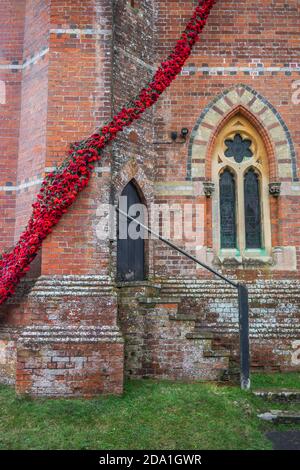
x: 244, y: 337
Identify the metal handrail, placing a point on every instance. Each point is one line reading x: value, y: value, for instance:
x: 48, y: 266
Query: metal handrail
x: 243, y: 302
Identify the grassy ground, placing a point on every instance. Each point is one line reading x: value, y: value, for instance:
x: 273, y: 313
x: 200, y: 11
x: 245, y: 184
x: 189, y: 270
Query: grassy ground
x: 290, y: 380
x: 150, y: 415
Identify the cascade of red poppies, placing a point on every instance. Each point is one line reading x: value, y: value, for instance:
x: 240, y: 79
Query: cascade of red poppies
x: 61, y: 187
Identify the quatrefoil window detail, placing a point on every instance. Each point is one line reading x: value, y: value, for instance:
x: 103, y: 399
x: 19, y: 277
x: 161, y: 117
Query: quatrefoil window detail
x: 238, y: 148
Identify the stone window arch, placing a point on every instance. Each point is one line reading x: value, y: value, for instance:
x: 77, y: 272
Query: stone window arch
x: 240, y: 204
x: 282, y: 154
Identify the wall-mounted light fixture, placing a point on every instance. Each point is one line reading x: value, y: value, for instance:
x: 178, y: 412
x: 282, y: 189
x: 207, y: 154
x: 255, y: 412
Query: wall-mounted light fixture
x: 175, y: 136
x: 184, y: 133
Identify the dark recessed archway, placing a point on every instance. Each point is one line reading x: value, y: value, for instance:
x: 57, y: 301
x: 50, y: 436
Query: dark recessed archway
x: 131, y: 244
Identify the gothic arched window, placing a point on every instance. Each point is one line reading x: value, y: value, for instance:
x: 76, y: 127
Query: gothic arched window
x: 241, y: 203
x: 252, y: 210
x: 227, y: 210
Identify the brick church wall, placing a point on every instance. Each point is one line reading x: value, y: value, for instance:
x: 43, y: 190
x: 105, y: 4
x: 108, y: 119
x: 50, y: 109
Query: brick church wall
x: 68, y: 66
x: 11, y: 45
x: 11, y: 40
x: 66, y: 93
x: 134, y: 154
x: 257, y: 46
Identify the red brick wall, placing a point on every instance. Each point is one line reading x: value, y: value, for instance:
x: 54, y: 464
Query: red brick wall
x: 11, y: 45
x: 79, y: 100
x: 68, y: 91
x: 33, y: 118
x: 70, y: 370
x: 258, y: 36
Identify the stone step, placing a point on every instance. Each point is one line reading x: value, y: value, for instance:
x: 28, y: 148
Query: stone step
x: 216, y: 353
x: 182, y: 317
x: 158, y: 300
x: 281, y: 395
x: 138, y: 289
x: 200, y: 334
x: 281, y: 416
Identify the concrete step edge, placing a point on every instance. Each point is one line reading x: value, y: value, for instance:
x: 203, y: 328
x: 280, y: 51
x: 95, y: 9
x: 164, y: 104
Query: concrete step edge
x: 280, y: 394
x: 280, y: 416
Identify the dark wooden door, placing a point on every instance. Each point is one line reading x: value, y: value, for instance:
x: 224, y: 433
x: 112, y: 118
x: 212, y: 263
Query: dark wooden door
x: 131, y: 252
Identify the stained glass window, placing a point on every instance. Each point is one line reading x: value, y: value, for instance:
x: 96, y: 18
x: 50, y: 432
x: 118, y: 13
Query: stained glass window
x: 252, y: 210
x: 238, y: 148
x: 228, y: 210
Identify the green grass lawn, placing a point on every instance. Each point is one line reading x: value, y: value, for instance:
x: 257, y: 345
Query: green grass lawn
x: 150, y: 415
x: 290, y: 380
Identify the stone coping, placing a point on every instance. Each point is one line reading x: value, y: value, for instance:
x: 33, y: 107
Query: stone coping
x: 70, y: 334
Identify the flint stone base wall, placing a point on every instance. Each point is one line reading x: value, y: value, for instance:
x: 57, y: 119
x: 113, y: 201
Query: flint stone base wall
x: 72, y: 344
x: 274, y: 317
x: 70, y: 361
x: 63, y: 340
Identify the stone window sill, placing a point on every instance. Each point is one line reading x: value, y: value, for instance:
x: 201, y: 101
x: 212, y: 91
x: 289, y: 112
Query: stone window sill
x: 249, y: 258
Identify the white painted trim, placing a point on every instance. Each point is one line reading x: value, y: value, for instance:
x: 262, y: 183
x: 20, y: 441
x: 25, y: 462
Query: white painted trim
x: 80, y: 32
x: 255, y: 69
x: 38, y: 181
x: 21, y: 186
x: 30, y: 61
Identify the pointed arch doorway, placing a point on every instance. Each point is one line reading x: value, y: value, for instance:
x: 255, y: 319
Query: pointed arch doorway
x: 131, y: 243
